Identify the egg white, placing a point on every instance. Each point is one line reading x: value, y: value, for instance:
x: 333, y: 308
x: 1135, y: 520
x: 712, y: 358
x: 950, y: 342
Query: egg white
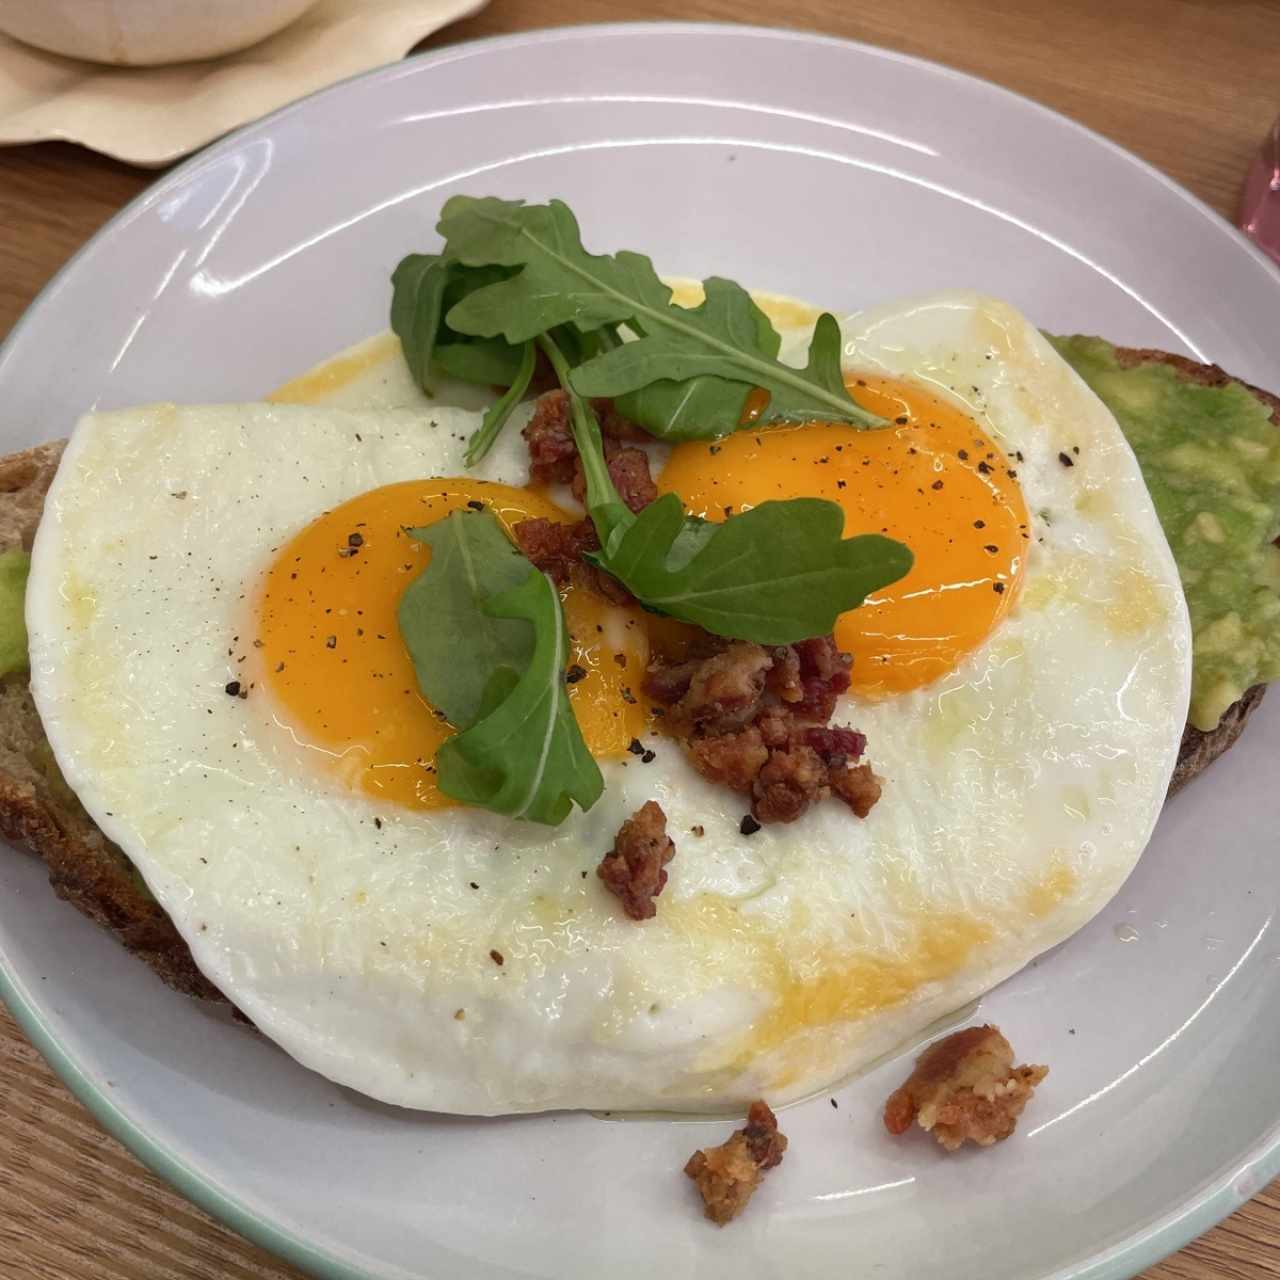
x: 1020, y: 789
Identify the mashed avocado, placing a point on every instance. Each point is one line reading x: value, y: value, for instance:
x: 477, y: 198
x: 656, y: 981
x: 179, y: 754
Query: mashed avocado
x: 1211, y: 460
x: 14, y: 565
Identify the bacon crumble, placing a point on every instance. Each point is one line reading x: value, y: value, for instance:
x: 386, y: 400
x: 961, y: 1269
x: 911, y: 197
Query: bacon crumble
x: 633, y: 870
x: 753, y: 719
x: 727, y: 1176
x: 964, y: 1088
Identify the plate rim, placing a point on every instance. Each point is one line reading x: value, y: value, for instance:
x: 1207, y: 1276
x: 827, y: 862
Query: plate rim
x: 1147, y: 1245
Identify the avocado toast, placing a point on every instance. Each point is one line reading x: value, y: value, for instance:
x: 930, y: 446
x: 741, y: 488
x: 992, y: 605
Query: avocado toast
x: 1219, y: 520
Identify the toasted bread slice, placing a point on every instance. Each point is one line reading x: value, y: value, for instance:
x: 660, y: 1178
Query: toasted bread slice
x: 38, y: 809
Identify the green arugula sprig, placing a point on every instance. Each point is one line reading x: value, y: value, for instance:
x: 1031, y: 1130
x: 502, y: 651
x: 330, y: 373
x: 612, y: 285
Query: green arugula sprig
x: 511, y: 273
x: 488, y: 641
x: 514, y: 280
x: 778, y: 573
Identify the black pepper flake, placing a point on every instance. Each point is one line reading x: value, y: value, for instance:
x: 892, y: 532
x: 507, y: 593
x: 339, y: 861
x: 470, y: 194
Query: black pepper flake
x: 331, y: 642
x: 574, y: 674
x: 902, y: 420
x: 355, y: 540
x: 233, y: 688
x: 979, y: 524
x: 714, y: 449
x: 628, y: 697
x: 963, y: 455
x: 279, y: 667
x: 1066, y: 459
x: 648, y: 757
x: 991, y: 548
x: 835, y: 1105
x: 998, y: 588
x: 840, y: 484
x: 476, y: 505
x: 497, y: 957
x: 698, y: 830
x: 473, y: 884
x: 636, y: 747
x: 984, y: 468
x: 377, y: 822
x: 748, y: 826
x: 937, y: 484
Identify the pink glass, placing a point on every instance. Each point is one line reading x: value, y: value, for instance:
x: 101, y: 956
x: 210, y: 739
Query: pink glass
x: 1260, y: 205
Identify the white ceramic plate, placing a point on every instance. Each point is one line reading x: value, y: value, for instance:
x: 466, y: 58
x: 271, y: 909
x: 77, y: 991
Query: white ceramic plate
x: 825, y: 170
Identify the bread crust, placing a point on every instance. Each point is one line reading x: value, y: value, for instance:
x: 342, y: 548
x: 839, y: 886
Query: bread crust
x: 40, y: 812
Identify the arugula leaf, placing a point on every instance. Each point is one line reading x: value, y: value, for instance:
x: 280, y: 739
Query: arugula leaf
x: 495, y: 417
x: 778, y: 573
x: 424, y: 286
x: 703, y: 407
x: 442, y: 615
x: 725, y: 342
x: 490, y: 362
x: 417, y: 304
x: 525, y: 757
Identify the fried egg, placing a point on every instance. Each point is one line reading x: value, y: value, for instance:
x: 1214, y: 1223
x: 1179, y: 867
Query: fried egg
x: 223, y: 686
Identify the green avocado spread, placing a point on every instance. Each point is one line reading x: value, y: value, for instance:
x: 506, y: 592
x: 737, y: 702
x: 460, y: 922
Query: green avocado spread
x: 1211, y: 460
x: 14, y: 565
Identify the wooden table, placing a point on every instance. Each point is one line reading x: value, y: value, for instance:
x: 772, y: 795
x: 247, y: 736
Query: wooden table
x: 1191, y: 85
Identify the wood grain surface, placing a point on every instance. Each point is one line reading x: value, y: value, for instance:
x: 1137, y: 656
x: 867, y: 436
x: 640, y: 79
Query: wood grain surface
x: 1191, y: 85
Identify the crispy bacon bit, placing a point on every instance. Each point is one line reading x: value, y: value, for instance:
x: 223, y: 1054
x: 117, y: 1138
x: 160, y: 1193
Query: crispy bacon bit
x: 784, y: 677
x: 732, y: 759
x: 727, y: 1176
x: 668, y: 685
x: 836, y: 746
x: 553, y: 456
x: 725, y: 690
x: 556, y: 548
x: 824, y: 676
x: 629, y: 470
x: 964, y: 1088
x: 857, y: 786
x: 789, y: 783
x: 754, y: 720
x: 633, y: 868
x: 553, y: 459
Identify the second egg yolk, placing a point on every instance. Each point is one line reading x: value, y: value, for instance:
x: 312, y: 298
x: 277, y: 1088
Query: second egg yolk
x: 932, y: 480
x: 329, y: 650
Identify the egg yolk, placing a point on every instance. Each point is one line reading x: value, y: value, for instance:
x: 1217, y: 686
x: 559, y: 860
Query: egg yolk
x: 933, y: 480
x: 329, y: 650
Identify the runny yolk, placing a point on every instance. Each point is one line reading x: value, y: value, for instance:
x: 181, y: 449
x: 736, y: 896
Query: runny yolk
x: 933, y: 480
x: 340, y: 675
